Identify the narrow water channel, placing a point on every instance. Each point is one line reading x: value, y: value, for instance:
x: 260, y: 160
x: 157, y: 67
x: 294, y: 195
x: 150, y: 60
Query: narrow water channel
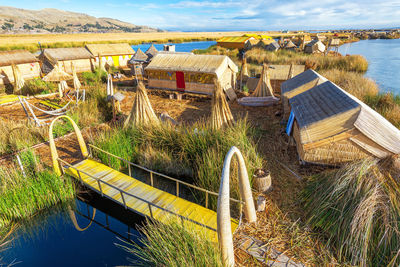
x: 53, y: 239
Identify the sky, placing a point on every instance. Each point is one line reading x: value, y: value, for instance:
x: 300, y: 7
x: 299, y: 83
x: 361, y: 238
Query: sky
x: 229, y: 15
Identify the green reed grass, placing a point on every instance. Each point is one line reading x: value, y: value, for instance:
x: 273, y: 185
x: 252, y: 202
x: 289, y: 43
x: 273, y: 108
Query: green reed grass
x: 38, y: 86
x: 192, y: 153
x: 173, y: 245
x: 23, y: 196
x: 358, y: 208
x: 354, y: 63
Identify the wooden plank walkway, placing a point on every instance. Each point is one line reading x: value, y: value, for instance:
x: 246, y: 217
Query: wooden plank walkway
x: 145, y: 199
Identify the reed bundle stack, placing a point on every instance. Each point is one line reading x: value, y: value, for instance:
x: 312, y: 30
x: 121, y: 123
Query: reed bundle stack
x: 18, y: 79
x: 221, y: 115
x: 333, y: 127
x: 264, y: 87
x: 244, y: 73
x: 77, y: 83
x: 60, y: 76
x: 142, y: 111
x: 297, y: 85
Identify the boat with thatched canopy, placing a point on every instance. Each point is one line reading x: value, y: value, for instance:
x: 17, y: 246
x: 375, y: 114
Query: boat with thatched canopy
x: 297, y: 85
x: 332, y: 127
x: 26, y: 63
x: 116, y: 55
x: 191, y: 73
x: 67, y: 59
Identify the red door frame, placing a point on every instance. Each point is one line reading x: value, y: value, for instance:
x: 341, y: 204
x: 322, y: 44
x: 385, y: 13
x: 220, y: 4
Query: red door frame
x: 180, y: 81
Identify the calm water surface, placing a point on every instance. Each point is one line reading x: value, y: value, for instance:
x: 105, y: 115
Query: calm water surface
x: 384, y: 61
x: 53, y: 239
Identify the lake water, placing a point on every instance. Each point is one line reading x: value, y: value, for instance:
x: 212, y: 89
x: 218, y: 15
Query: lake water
x: 179, y: 47
x: 53, y: 240
x: 384, y: 61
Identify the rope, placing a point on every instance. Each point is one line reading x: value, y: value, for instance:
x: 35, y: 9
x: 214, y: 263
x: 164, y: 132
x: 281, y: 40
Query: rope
x: 55, y: 112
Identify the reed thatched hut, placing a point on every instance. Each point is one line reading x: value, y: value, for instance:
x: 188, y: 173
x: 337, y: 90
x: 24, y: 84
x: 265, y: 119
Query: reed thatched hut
x: 315, y: 46
x: 332, y: 127
x: 27, y: 64
x: 290, y: 45
x: 79, y: 57
x: 116, y: 55
x: 297, y: 85
x: 151, y: 52
x: 251, y: 43
x: 278, y: 74
x: 274, y: 46
x: 191, y: 73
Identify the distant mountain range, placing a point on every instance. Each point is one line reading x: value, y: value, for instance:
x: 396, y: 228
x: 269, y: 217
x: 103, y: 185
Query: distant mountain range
x: 49, y: 20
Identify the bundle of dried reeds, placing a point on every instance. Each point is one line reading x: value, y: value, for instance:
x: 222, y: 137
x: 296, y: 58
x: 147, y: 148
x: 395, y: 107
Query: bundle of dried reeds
x: 141, y: 112
x: 77, y: 83
x: 221, y: 115
x: 291, y: 74
x: 18, y: 79
x: 244, y: 71
x: 264, y: 87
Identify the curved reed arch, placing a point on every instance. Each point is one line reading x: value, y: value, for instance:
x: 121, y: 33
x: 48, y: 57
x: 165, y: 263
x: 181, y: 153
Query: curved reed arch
x: 75, y: 221
x: 225, y: 238
x: 53, y: 149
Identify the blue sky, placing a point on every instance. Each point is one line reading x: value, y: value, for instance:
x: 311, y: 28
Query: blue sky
x: 209, y: 15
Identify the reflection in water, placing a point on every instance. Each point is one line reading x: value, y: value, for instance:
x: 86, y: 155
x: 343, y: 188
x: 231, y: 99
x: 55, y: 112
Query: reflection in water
x: 75, y: 222
x: 57, y: 238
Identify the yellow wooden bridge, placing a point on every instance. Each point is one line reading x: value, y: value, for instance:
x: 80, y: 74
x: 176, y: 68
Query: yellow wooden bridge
x: 135, y: 195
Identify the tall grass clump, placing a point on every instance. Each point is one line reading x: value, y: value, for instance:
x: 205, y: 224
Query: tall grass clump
x: 358, y: 208
x: 192, y: 153
x: 38, y: 86
x: 355, y: 63
x: 95, y: 77
x: 354, y: 83
x: 173, y: 245
x: 15, y: 136
x: 22, y: 194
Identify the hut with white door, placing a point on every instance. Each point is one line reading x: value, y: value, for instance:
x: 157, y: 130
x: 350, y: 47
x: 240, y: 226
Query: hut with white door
x: 25, y: 62
x: 116, y: 55
x: 191, y: 73
x: 332, y: 127
x: 67, y: 59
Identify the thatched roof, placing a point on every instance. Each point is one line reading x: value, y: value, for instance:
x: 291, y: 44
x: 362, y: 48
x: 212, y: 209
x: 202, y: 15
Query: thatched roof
x: 110, y: 49
x: 7, y: 58
x: 334, y: 42
x: 290, y: 45
x: 281, y: 72
x: 152, y: 51
x: 273, y: 46
x: 264, y: 87
x: 57, y: 75
x: 213, y: 64
x: 315, y: 46
x: 139, y: 56
x: 329, y: 101
x: 308, y: 76
x: 62, y: 54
